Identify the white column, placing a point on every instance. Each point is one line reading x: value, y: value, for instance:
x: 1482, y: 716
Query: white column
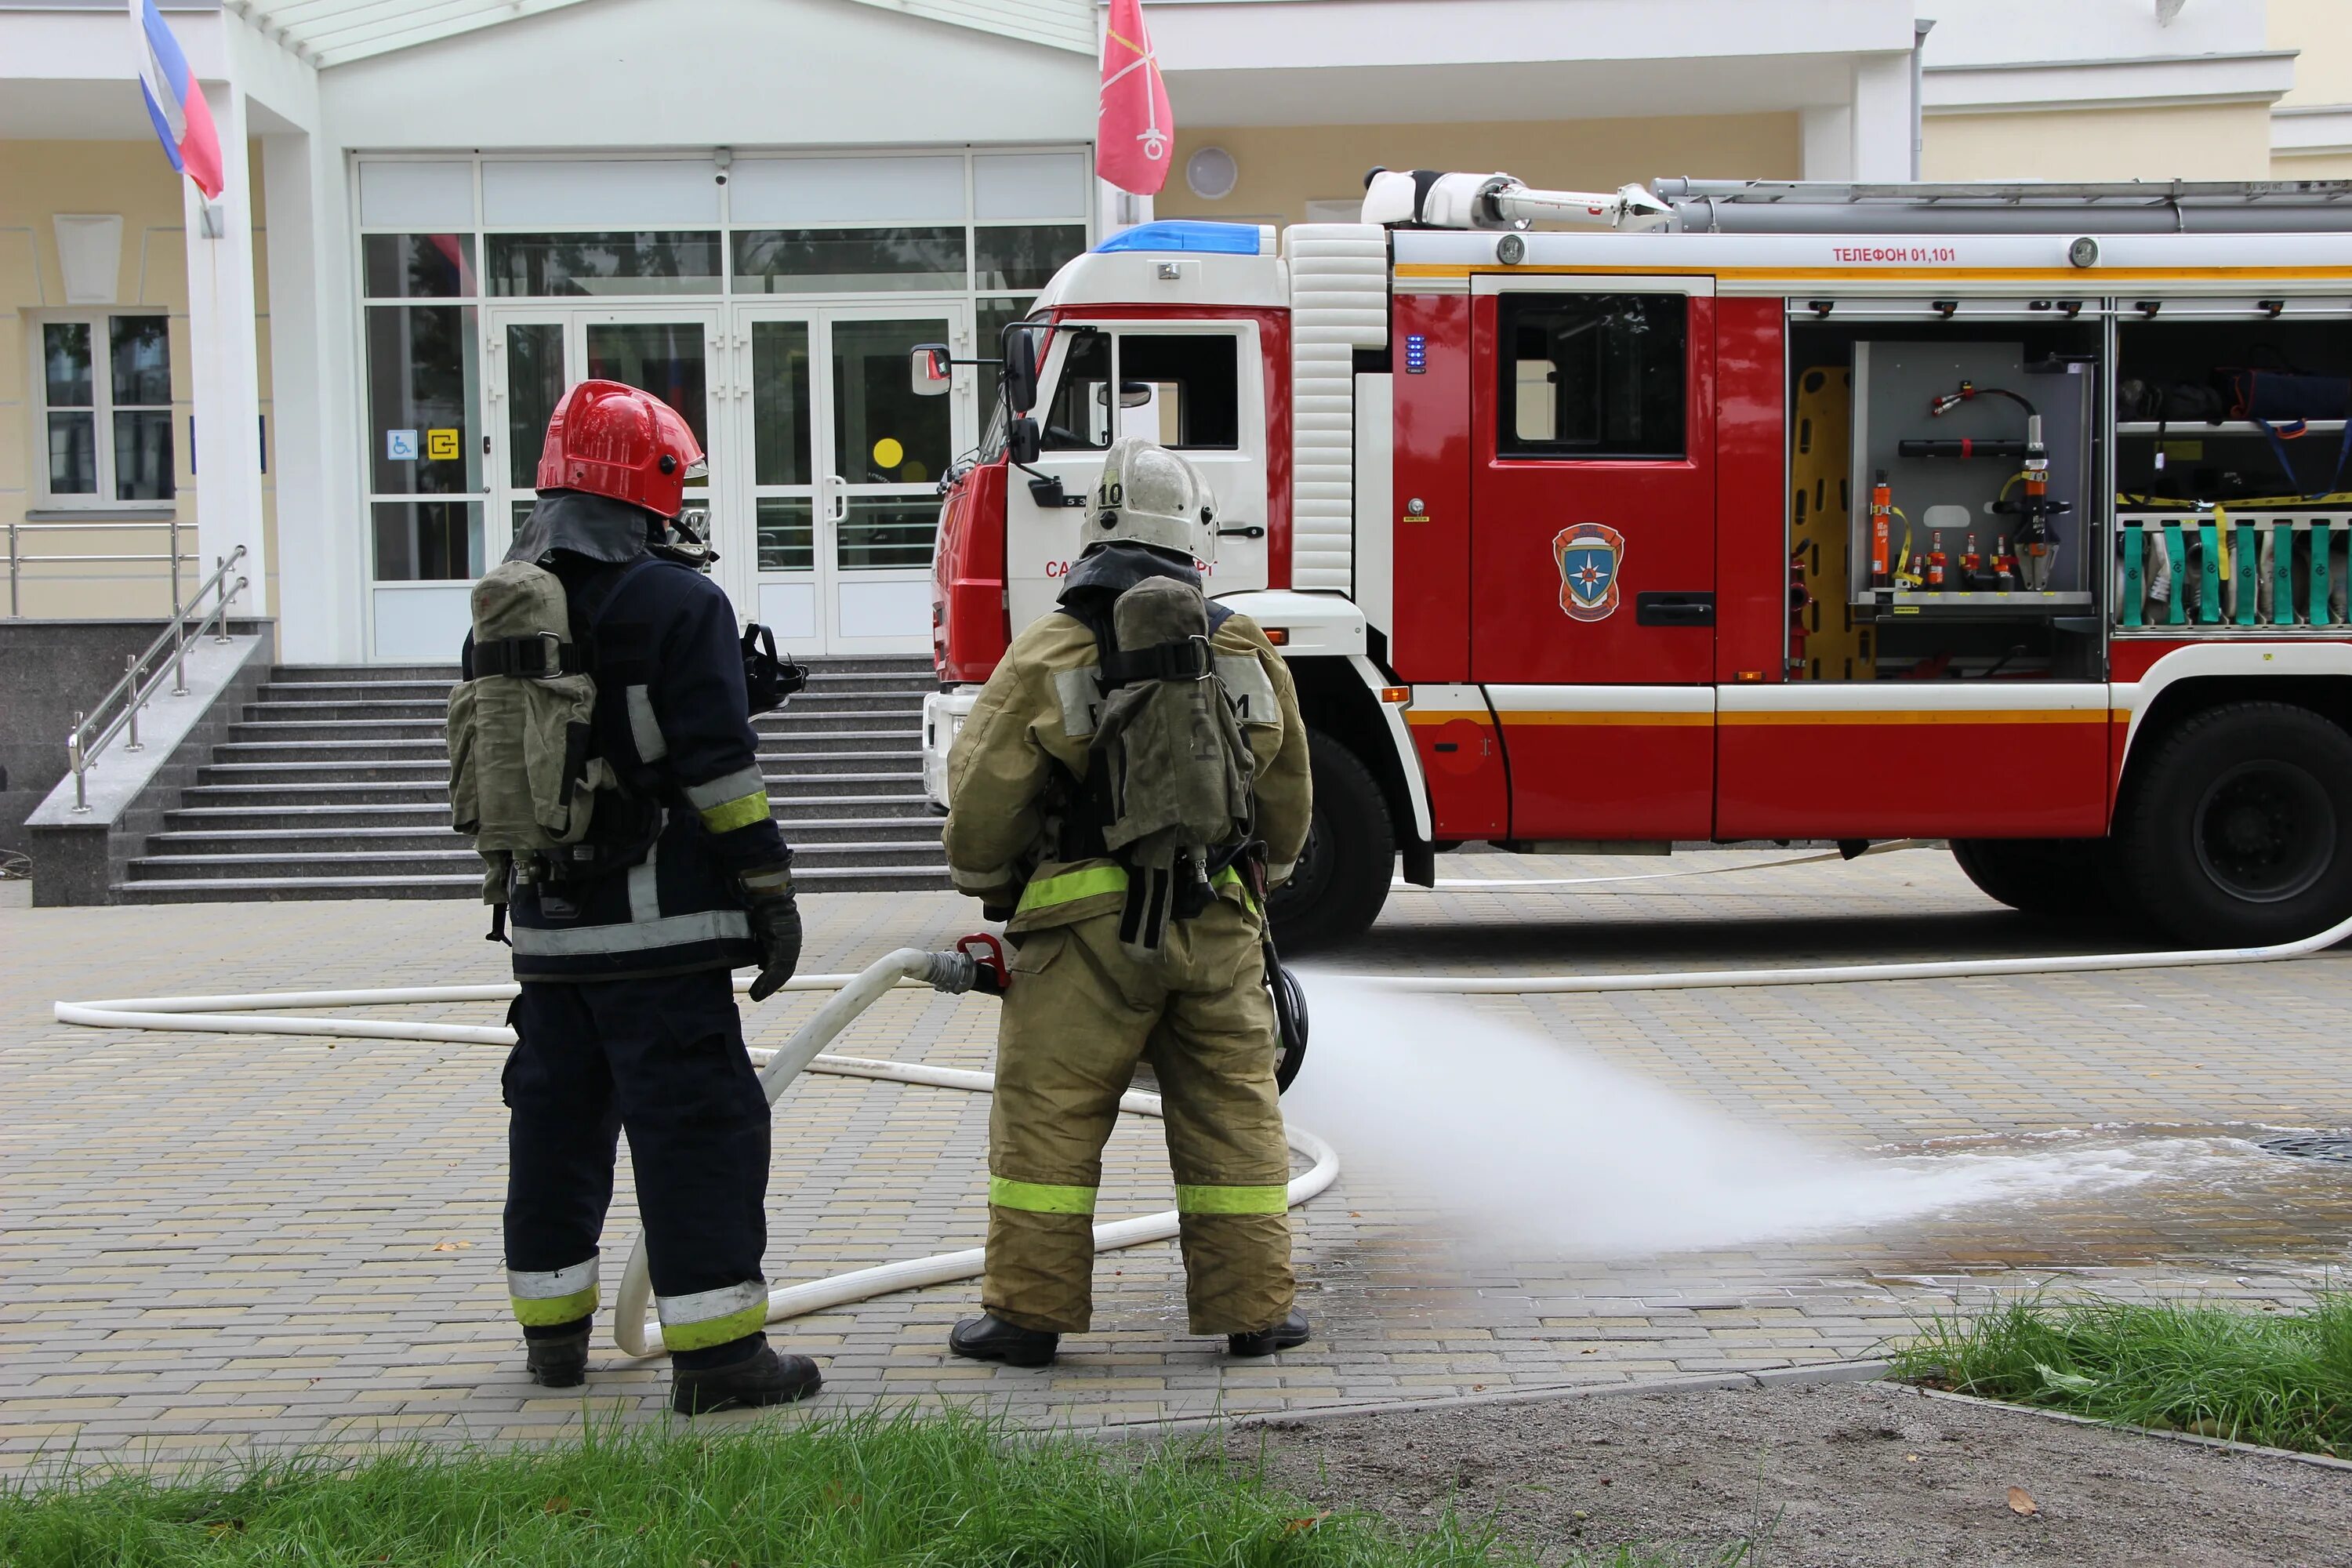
x: 1116, y: 209
x: 1828, y: 142
x: 1882, y: 118
x: 322, y: 529
x: 224, y: 369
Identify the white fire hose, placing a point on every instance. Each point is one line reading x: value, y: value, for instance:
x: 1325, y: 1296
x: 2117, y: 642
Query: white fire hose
x: 218, y: 1015
x: 1848, y: 973
x: 632, y: 1328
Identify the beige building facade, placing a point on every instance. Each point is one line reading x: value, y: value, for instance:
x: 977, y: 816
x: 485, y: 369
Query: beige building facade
x: 480, y: 202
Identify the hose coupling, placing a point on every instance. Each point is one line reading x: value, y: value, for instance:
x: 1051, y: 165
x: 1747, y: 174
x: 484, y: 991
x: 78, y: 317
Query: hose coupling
x: 976, y: 964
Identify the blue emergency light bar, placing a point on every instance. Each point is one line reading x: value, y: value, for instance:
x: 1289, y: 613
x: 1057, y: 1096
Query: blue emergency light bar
x: 1194, y: 234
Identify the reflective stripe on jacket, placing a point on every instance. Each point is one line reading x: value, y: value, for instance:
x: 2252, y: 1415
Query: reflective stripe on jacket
x: 1013, y: 760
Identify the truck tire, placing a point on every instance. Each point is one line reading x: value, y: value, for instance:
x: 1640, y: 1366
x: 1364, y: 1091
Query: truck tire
x: 2053, y: 877
x: 1344, y: 872
x: 2239, y: 827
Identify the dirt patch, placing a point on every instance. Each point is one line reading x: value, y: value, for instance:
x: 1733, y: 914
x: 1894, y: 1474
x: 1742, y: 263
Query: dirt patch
x: 1827, y: 1476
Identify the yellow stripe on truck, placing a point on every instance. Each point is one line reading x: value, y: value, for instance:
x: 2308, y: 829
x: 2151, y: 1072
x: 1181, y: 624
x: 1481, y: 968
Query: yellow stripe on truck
x: 1921, y: 716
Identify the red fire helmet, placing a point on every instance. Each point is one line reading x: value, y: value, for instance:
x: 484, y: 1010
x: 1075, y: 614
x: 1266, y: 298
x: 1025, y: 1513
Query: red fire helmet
x: 617, y: 441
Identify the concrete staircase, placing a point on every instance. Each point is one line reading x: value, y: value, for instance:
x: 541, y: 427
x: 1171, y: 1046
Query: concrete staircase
x: 335, y: 785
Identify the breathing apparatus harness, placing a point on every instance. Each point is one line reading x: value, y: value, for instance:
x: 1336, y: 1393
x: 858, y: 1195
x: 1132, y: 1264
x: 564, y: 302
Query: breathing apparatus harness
x: 546, y: 828
x: 1093, y: 807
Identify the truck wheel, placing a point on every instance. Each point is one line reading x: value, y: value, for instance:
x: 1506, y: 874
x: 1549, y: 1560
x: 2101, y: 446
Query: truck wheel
x: 1344, y: 872
x: 2040, y: 876
x: 2239, y: 833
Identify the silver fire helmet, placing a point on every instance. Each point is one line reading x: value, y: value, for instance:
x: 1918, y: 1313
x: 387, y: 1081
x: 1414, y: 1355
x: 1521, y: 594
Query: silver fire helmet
x: 1148, y: 495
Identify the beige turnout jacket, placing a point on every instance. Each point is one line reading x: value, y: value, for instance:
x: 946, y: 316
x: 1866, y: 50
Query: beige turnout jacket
x: 1004, y: 789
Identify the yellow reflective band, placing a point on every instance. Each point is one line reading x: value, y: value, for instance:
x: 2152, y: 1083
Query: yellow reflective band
x: 546, y: 1311
x: 741, y: 812
x: 1038, y: 1197
x: 1232, y: 1200
x: 712, y: 1331
x: 1071, y: 886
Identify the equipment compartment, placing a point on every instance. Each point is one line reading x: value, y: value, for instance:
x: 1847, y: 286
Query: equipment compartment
x: 1907, y: 436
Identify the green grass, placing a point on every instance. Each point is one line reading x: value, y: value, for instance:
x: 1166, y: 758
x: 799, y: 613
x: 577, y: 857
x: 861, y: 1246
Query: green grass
x: 2277, y: 1378
x: 955, y: 1491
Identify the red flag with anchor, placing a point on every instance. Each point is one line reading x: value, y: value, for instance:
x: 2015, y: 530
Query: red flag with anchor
x: 1134, y: 131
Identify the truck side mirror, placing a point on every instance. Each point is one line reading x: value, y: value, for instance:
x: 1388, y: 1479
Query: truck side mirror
x: 931, y: 368
x: 1022, y: 443
x: 1020, y: 368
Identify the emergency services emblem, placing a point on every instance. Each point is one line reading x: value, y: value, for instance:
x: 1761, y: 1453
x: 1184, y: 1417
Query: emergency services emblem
x: 1588, y: 556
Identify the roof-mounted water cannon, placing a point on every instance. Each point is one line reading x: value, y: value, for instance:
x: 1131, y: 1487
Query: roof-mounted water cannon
x: 1430, y: 198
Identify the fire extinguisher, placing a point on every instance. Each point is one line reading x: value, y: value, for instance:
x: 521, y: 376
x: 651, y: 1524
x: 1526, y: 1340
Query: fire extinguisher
x: 1882, y: 528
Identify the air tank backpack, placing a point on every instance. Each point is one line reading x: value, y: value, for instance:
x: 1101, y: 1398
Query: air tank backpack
x: 1169, y: 774
x: 522, y: 782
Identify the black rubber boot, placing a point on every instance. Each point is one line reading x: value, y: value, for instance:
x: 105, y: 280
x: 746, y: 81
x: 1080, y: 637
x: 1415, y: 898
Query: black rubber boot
x: 1285, y: 1336
x: 558, y: 1360
x: 762, y: 1378
x: 993, y: 1339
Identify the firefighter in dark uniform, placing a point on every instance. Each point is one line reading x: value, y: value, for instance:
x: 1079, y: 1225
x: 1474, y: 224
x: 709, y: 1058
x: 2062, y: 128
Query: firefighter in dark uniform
x: 624, y: 943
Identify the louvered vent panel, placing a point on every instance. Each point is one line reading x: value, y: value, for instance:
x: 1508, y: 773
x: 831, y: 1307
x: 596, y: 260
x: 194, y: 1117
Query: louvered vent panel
x: 1338, y: 303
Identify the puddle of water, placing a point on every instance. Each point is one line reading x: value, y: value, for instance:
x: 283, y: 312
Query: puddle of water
x: 1523, y: 1143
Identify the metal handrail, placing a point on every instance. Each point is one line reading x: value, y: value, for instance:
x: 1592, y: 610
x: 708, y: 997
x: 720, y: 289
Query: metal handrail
x: 98, y: 524
x: 81, y: 746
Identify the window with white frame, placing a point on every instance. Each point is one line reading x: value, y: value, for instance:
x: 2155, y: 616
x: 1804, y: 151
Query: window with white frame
x: 104, y: 385
x: 446, y: 242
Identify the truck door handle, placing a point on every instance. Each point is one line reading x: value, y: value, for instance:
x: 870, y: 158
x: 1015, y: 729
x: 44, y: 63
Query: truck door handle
x: 1673, y: 609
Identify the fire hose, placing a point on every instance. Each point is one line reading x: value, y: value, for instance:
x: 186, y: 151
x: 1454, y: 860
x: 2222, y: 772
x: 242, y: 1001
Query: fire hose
x: 963, y: 970
x: 1851, y: 974
x: 856, y: 992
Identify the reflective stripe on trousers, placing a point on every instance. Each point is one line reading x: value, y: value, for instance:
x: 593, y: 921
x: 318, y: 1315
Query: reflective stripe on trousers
x: 1040, y: 1197
x: 710, y: 1317
x: 557, y: 1296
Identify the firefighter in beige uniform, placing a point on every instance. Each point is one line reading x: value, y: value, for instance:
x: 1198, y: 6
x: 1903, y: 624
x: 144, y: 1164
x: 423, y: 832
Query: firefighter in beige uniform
x: 1131, y: 780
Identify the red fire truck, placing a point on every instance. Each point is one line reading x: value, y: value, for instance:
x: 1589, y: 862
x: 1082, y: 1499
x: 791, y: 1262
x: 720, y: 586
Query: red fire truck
x: 2014, y: 516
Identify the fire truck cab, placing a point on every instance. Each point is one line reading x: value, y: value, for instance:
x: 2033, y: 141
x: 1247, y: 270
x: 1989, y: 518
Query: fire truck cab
x: 2014, y: 516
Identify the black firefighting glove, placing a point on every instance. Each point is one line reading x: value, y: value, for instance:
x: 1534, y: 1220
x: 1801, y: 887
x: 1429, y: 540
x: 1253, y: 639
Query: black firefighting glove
x: 775, y: 925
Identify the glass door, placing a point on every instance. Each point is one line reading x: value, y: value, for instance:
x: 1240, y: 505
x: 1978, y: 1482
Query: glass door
x: 776, y: 429
x: 529, y: 361
x: 845, y: 462
x: 538, y: 356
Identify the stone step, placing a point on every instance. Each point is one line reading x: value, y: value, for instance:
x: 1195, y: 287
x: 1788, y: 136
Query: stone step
x: 807, y: 762
x: 267, y: 837
x: 246, y: 793
x: 301, y: 673
x: 829, y: 696
x: 228, y: 890
x: 798, y: 721
x: 403, y: 862
x: 434, y: 771
x: 434, y: 698
x: 270, y: 727
x: 362, y: 749
x: 302, y: 711
x: 306, y: 816
x: 418, y: 817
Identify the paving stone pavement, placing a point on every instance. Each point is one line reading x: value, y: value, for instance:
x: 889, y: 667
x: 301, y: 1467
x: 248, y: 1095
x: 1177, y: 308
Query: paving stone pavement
x: 209, y: 1242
